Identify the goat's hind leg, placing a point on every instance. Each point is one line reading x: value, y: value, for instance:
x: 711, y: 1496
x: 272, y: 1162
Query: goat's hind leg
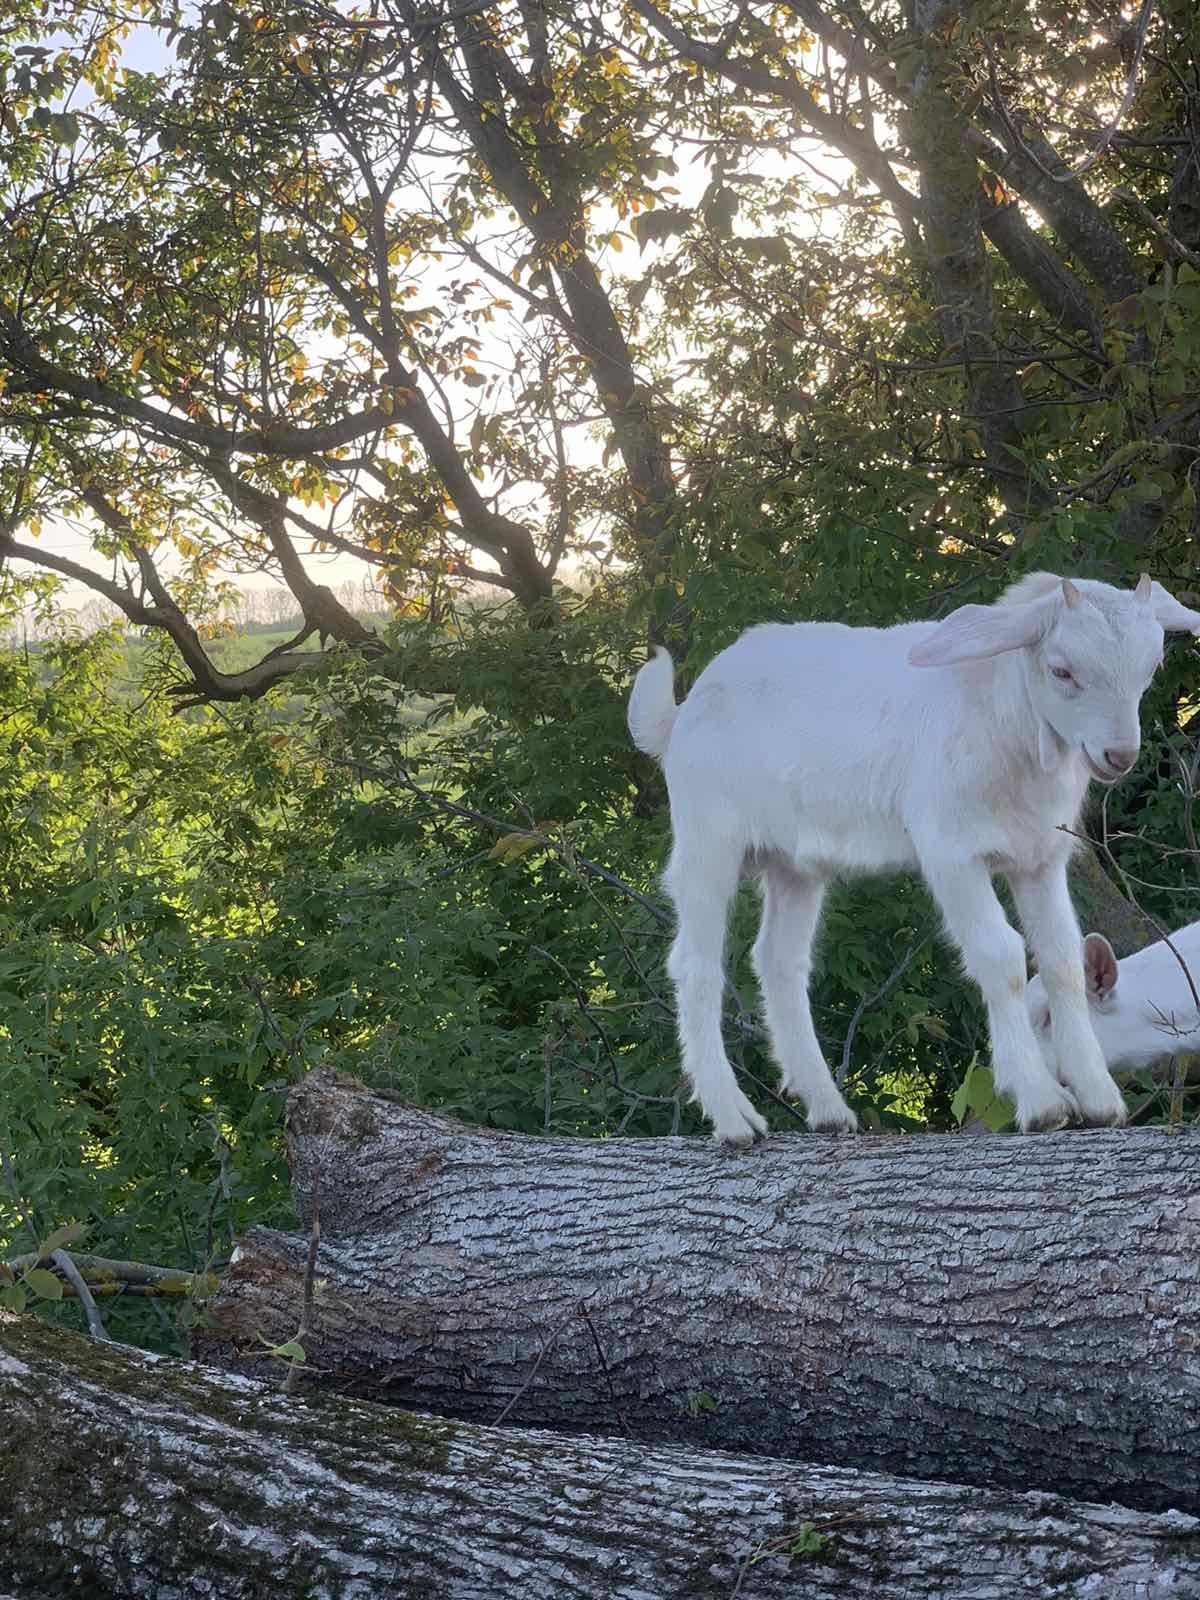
x: 783, y: 959
x: 701, y: 887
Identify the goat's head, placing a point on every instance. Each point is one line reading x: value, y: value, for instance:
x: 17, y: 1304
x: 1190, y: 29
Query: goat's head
x: 1091, y: 650
x: 1120, y: 1020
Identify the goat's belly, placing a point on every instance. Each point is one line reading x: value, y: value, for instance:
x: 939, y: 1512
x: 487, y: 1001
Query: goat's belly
x: 833, y: 846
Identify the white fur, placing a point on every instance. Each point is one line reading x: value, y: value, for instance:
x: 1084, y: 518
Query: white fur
x: 1142, y: 1008
x: 811, y: 751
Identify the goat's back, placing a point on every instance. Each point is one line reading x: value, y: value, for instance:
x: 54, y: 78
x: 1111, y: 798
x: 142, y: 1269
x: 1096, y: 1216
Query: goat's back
x: 1153, y: 990
x: 821, y: 742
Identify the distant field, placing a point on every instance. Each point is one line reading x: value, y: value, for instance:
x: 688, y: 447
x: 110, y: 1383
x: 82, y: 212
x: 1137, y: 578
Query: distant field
x: 231, y: 653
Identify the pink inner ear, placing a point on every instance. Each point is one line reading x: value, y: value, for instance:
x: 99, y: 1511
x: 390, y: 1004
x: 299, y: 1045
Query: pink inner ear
x: 1099, y: 966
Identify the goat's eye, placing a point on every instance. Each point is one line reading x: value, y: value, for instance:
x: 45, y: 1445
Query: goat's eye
x: 1063, y: 674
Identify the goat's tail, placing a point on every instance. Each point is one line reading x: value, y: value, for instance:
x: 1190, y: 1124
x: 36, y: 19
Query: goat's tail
x: 652, y: 705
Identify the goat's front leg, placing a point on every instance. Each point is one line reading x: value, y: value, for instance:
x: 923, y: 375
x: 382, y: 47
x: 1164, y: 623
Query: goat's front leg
x: 994, y: 955
x: 1044, y: 905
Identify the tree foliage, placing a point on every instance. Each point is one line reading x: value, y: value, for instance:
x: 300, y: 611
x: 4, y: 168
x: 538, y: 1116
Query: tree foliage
x: 363, y: 280
x: 636, y: 318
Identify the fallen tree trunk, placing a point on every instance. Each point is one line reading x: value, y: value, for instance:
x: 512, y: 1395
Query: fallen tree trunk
x: 1020, y: 1311
x: 124, y: 1475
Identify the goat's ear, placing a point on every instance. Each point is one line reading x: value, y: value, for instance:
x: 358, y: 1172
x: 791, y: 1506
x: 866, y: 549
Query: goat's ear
x: 1172, y: 616
x: 1099, y: 967
x: 973, y: 632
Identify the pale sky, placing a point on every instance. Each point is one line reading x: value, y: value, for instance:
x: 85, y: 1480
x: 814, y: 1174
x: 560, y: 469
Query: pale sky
x: 146, y: 51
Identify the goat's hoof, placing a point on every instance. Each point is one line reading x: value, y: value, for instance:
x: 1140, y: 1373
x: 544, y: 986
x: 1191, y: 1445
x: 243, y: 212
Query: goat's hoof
x: 834, y: 1119
x: 1050, y: 1116
x: 740, y: 1125
x: 1104, y: 1111
x: 744, y: 1138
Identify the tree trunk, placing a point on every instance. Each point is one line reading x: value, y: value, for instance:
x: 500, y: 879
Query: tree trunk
x: 123, y: 1474
x: 1021, y: 1311
x: 1104, y: 909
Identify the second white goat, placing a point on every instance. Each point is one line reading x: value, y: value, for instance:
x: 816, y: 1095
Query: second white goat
x: 1143, y: 1009
x: 810, y: 751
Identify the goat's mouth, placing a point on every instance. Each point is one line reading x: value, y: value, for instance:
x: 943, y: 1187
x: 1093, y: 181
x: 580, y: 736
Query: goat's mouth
x: 1101, y: 771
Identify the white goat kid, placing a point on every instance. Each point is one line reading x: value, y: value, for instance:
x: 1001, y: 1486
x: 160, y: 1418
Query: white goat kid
x: 810, y: 751
x: 1143, y: 1009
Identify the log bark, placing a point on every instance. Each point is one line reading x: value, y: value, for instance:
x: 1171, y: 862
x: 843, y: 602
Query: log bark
x: 1017, y: 1311
x: 125, y: 1475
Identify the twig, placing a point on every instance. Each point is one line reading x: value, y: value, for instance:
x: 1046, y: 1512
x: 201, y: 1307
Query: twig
x: 73, y: 1276
x: 1172, y: 246
x: 870, y: 1000
x: 1181, y: 1063
x: 403, y: 780
x: 547, y: 1345
x: 1109, y: 133
x: 637, y: 1098
x: 220, y: 1187
x: 547, y: 1079
x: 789, y: 1537
x: 1132, y: 898
x: 292, y: 1381
x: 99, y: 1272
x: 10, y: 1178
x: 612, y: 1393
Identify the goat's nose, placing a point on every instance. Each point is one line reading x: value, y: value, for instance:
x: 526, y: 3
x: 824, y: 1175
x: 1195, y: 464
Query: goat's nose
x: 1120, y: 760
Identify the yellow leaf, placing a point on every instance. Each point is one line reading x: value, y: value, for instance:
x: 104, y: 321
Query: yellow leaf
x: 512, y: 846
x: 387, y: 402
x: 304, y: 65
x: 136, y: 359
x: 348, y: 222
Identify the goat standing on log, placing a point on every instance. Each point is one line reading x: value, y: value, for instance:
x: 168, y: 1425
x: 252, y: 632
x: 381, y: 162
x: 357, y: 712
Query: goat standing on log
x: 812, y: 750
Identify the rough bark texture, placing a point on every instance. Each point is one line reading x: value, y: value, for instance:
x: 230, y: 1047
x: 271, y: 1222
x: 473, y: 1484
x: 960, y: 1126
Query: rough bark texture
x: 959, y: 267
x: 1020, y: 1311
x: 125, y: 1475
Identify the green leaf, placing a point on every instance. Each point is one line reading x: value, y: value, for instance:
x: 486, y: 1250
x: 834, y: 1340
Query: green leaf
x: 772, y: 248
x: 719, y: 205
x: 64, y: 127
x: 61, y: 1239
x: 961, y: 1103
x: 808, y: 1542
x: 1145, y: 489
x: 43, y: 1283
x: 12, y: 1297
x: 976, y: 1096
x: 998, y: 1114
x: 652, y: 227
x: 291, y: 1351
